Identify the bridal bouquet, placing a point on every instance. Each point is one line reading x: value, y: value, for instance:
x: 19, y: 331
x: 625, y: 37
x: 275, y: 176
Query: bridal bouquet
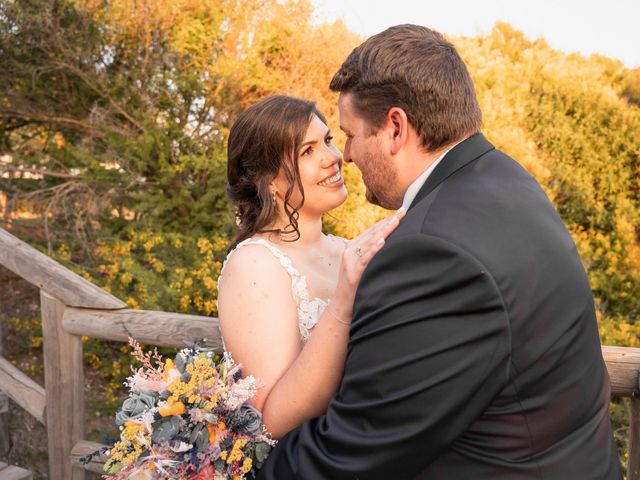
x: 187, y: 418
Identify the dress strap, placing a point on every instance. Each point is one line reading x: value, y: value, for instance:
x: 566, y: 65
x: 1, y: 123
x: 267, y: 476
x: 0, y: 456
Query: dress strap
x: 298, y: 281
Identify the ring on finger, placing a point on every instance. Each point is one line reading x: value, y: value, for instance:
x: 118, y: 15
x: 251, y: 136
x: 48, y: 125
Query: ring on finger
x: 359, y: 251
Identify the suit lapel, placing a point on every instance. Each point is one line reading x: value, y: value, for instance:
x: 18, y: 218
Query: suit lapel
x: 459, y: 156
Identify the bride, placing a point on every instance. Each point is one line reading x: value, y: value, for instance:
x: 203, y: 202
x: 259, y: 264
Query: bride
x: 286, y: 290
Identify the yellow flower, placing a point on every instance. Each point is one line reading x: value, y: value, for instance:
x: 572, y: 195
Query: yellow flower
x: 209, y: 307
x: 204, y: 245
x: 133, y: 303
x: 177, y: 388
x: 132, y: 430
x: 126, y: 278
x: 236, y: 452
x: 168, y: 366
x: 185, y: 301
x: 247, y: 465
x: 209, y: 283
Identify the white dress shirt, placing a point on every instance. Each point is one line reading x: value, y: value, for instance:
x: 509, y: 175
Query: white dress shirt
x: 417, y: 184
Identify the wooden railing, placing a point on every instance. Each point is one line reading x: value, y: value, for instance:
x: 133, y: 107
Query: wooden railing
x: 72, y: 307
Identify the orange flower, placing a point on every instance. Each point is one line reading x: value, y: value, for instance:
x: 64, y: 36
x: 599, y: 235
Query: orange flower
x: 212, y: 434
x: 174, y: 408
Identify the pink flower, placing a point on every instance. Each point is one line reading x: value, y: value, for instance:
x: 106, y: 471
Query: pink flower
x: 207, y: 473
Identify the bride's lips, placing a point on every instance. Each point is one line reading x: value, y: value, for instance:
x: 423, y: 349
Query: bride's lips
x: 333, y: 180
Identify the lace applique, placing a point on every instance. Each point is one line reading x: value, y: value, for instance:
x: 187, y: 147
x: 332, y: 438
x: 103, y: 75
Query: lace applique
x: 309, y: 310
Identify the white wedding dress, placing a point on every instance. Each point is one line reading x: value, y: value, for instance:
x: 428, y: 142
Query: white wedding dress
x: 309, y: 309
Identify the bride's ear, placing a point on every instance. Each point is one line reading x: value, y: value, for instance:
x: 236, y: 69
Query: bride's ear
x: 398, y: 125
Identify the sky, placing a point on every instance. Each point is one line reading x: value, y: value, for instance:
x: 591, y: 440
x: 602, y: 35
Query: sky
x: 610, y: 28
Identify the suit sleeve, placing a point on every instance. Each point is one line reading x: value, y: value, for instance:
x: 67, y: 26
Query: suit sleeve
x: 428, y: 351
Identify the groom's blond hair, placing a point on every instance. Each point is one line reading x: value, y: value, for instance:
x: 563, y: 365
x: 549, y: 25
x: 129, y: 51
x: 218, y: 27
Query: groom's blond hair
x: 418, y: 70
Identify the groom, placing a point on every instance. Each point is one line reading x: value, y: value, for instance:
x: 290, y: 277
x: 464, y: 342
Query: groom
x: 474, y: 350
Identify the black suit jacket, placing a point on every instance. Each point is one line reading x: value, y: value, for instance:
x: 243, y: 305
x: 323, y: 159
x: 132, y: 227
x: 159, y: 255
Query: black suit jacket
x: 474, y: 350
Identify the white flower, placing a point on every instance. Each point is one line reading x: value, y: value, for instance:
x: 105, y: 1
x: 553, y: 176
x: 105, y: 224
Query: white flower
x: 182, y: 447
x: 240, y: 392
x: 173, y: 374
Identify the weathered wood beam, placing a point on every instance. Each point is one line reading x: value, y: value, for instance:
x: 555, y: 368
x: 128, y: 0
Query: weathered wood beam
x: 8, y: 472
x: 156, y: 328
x: 623, y: 364
x: 22, y: 390
x: 84, y: 448
x: 48, y: 275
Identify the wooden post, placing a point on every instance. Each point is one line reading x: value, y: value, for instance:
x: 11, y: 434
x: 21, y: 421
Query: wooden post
x: 5, y: 438
x: 64, y: 385
x: 633, y: 470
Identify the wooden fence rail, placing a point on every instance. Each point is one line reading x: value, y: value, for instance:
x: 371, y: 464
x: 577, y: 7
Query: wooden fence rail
x: 72, y: 307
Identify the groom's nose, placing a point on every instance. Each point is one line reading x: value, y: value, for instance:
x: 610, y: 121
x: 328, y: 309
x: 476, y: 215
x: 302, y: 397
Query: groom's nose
x: 347, y: 151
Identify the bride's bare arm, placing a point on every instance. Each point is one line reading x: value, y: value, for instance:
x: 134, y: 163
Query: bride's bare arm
x: 259, y: 320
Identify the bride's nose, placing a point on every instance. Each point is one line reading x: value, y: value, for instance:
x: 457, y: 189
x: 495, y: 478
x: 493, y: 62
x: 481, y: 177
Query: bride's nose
x: 331, y: 156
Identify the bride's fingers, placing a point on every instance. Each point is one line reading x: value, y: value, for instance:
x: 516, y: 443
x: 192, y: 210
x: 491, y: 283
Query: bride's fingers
x: 392, y: 222
x: 376, y: 239
x: 367, y: 244
x: 370, y: 251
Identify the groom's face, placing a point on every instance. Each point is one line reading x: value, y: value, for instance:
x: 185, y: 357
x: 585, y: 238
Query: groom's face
x: 367, y: 151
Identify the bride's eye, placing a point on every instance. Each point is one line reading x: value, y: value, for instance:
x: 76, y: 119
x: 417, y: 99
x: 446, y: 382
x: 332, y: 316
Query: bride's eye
x: 307, y: 151
x: 328, y: 139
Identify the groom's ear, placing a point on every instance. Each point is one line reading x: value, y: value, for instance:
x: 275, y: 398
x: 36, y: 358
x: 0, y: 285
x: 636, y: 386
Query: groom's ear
x: 398, y: 125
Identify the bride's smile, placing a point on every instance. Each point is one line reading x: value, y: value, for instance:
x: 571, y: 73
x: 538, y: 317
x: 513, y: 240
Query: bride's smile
x: 333, y: 181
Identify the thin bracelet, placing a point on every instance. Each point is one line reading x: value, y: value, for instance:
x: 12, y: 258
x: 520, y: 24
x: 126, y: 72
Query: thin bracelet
x: 348, y: 324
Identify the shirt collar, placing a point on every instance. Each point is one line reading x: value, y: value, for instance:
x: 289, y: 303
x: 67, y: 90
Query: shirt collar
x: 417, y: 184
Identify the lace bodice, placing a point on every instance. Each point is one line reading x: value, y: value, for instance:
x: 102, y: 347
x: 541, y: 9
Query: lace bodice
x: 309, y: 309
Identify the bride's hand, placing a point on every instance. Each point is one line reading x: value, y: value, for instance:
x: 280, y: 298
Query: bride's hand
x: 357, y: 255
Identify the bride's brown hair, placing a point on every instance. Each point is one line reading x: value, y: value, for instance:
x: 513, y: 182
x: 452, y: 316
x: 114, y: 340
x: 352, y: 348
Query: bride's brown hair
x: 265, y: 139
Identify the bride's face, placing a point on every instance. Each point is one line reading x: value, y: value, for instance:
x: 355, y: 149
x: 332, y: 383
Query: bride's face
x: 320, y: 165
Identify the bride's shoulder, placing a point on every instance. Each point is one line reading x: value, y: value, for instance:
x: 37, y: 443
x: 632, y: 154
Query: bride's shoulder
x: 252, y: 261
x: 253, y: 280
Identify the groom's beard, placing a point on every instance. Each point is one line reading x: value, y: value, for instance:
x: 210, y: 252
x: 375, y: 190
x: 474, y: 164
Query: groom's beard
x: 381, y: 181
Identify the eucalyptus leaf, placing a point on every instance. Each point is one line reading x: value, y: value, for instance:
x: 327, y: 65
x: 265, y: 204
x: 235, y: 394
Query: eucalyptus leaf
x: 165, y: 429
